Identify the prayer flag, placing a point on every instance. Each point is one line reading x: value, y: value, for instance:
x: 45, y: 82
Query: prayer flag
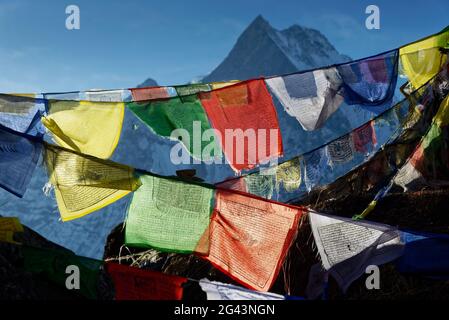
x: 424, y: 254
x: 149, y: 93
x: 106, y: 95
x: 8, y: 227
x: 311, y: 97
x: 138, y: 284
x: 21, y: 113
x: 169, y: 215
x: 347, y: 247
x: 288, y: 174
x: 10, y: 224
x: 364, y: 138
x: 422, y: 60
x: 219, y: 85
x: 19, y: 154
x: 341, y: 150
x: 53, y: 264
x: 220, y: 291
x: 84, y: 184
x: 88, y: 127
x: 192, y: 89
x: 315, y: 164
x: 250, y: 237
x: 7, y: 236
x: 261, y: 185
x: 180, y: 118
x: 246, y: 119
x: 370, y: 81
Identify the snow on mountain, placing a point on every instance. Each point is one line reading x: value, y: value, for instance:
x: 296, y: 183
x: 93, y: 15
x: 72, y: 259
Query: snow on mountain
x: 262, y: 50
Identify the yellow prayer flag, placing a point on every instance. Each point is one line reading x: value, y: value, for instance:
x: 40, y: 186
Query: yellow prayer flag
x: 7, y: 236
x: 88, y: 127
x: 442, y: 116
x: 10, y: 224
x: 219, y: 85
x: 84, y: 184
x: 422, y: 60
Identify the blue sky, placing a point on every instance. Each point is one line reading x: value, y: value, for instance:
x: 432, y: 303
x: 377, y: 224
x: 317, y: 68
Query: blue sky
x: 121, y: 43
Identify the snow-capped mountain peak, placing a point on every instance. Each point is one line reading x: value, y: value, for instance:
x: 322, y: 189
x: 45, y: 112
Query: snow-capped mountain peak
x: 261, y: 50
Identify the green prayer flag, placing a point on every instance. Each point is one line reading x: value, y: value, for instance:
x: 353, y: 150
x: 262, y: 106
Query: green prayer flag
x: 52, y: 264
x: 165, y: 116
x: 435, y: 155
x: 170, y: 216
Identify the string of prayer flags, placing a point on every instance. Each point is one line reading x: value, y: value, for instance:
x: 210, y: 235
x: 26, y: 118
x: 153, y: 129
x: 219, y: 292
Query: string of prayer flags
x: 347, y: 247
x: 404, y: 121
x: 422, y: 60
x: 244, y: 112
x: 422, y: 105
x: 429, y: 161
x: 137, y: 94
x: 179, y: 118
x: 19, y: 154
x: 54, y: 263
x: 250, y: 237
x: 170, y: 215
x: 312, y: 167
x: 310, y: 97
x: 118, y: 95
x: 83, y: 183
x: 138, y: 284
x: 88, y: 127
x: 220, y: 291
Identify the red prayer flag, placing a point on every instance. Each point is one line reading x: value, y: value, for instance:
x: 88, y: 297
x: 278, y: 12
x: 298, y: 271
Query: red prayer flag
x: 244, y: 110
x: 250, y: 237
x: 149, y: 93
x: 139, y: 284
x: 363, y: 136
